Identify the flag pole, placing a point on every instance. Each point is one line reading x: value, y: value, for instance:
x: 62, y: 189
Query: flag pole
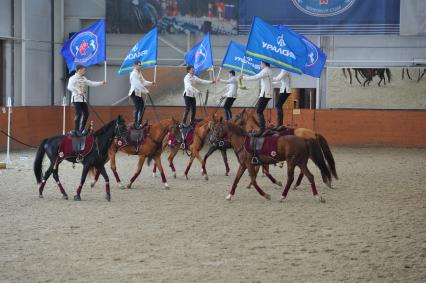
x: 64, y: 105
x: 105, y: 70
x: 9, y: 106
x: 155, y: 73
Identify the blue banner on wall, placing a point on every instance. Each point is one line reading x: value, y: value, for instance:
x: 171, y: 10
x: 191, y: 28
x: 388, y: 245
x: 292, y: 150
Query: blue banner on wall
x: 325, y: 16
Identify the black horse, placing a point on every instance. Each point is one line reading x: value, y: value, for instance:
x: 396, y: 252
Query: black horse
x: 368, y: 74
x: 94, y: 158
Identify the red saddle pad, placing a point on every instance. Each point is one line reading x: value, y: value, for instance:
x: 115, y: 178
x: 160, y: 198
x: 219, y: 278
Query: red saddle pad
x: 173, y: 140
x: 69, y: 144
x: 269, y: 146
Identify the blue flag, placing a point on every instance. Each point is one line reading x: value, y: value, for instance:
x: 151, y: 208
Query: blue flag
x: 235, y: 59
x: 276, y: 46
x: 200, y: 56
x: 316, y: 58
x: 145, y: 50
x: 86, y: 47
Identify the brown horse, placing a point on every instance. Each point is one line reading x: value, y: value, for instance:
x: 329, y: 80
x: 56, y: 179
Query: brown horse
x: 294, y: 150
x: 151, y: 147
x: 249, y: 119
x: 200, y: 133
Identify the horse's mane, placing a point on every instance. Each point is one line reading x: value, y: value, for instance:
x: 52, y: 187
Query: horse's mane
x: 234, y: 129
x: 104, y: 128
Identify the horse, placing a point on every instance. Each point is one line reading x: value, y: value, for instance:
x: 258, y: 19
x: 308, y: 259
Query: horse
x: 294, y: 150
x: 199, y: 134
x: 249, y: 120
x: 95, y: 156
x: 368, y: 74
x: 150, y: 146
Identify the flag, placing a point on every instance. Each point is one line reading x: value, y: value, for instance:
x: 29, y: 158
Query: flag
x: 316, y: 58
x: 235, y: 59
x: 145, y: 50
x: 86, y: 47
x: 200, y: 56
x: 276, y: 46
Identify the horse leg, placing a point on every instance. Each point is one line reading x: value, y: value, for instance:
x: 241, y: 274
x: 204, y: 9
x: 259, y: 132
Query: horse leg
x: 157, y: 159
x: 240, y: 173
x: 95, y: 180
x: 225, y: 160
x: 58, y: 182
x: 256, y: 168
x: 350, y: 75
x: 252, y: 172
x: 299, y: 180
x: 172, y: 155
x: 189, y: 165
x: 154, y: 170
x: 83, y: 179
x: 43, y: 181
x: 209, y: 152
x: 265, y: 169
x: 311, y: 179
x: 290, y: 178
x: 106, y: 178
x: 203, y: 165
x: 138, y: 171
x: 113, y: 166
x: 356, y: 77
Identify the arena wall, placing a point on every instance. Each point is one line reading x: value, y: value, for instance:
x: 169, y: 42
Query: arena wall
x: 340, y: 127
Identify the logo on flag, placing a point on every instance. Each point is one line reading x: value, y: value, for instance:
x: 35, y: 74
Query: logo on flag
x: 279, y: 47
x: 281, y: 41
x: 145, y: 51
x: 200, y: 56
x: 316, y: 58
x: 236, y: 60
x: 86, y: 47
x: 323, y: 8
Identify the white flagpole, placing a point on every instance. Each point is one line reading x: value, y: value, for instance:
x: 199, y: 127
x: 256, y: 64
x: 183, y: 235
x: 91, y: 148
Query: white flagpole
x: 155, y: 74
x: 218, y: 74
x: 9, y: 106
x: 105, y: 70
x: 64, y: 105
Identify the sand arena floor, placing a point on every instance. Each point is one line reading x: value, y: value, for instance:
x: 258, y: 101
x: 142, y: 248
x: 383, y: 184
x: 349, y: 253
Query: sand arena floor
x: 372, y: 227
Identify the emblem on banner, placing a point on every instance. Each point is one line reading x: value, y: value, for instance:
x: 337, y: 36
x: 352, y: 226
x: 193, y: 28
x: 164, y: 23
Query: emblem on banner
x: 84, y: 46
x: 200, y: 57
x: 281, y: 41
x: 323, y: 8
x: 312, y: 53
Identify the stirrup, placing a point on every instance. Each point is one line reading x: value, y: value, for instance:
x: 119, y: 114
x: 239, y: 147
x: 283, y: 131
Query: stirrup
x: 183, y: 145
x: 79, y: 158
x: 255, y: 160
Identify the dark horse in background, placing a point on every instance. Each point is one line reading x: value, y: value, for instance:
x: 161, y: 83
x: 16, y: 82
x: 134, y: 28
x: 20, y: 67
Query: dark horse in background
x: 368, y: 74
x: 95, y: 157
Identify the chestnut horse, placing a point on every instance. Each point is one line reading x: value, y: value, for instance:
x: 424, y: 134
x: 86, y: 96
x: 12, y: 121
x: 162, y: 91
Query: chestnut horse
x: 294, y: 150
x: 151, y: 147
x: 249, y: 119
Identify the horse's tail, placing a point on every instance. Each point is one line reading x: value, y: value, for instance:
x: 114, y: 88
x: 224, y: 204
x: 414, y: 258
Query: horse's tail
x: 318, y: 158
x: 327, y: 154
x: 149, y: 160
x: 388, y: 73
x: 38, y: 161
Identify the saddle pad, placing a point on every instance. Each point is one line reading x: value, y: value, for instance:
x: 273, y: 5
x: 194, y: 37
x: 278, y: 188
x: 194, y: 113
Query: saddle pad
x: 72, y: 146
x: 268, y: 146
x: 173, y: 140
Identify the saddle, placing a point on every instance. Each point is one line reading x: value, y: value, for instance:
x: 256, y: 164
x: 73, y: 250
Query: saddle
x: 136, y: 136
x: 261, y: 146
x: 75, y: 147
x: 185, y: 138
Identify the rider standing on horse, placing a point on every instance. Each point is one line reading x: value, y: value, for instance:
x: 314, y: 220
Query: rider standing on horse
x: 78, y: 84
x: 231, y: 93
x: 285, y: 90
x: 266, y: 90
x: 189, y: 94
x: 137, y: 88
